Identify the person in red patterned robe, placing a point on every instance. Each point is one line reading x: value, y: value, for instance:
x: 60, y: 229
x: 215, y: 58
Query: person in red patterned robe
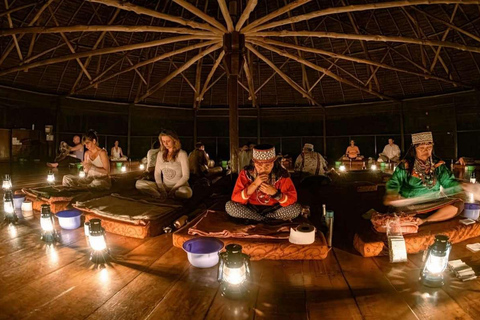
x: 264, y: 190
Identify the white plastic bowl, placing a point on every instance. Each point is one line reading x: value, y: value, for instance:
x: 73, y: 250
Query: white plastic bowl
x: 18, y: 200
x: 69, y: 219
x: 203, y: 252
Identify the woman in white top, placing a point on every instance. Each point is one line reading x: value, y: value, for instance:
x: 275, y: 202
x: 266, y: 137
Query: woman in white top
x: 116, y: 153
x: 96, y: 165
x: 171, y: 170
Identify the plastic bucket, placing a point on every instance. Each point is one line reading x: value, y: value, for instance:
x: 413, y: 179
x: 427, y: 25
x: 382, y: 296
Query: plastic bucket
x: 203, y: 252
x: 69, y: 219
x: 18, y: 200
x: 471, y: 211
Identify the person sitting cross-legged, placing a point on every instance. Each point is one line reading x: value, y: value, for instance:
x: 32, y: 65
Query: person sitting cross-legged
x: 264, y: 190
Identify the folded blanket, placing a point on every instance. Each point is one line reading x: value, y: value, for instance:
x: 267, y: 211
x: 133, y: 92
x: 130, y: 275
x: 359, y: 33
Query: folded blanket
x: 220, y: 225
x: 124, y: 209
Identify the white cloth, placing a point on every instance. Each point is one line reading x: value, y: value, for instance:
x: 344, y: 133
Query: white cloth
x: 173, y: 174
x: 391, y: 151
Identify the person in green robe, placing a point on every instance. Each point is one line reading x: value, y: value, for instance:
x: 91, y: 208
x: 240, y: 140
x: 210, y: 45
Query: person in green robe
x: 422, y: 176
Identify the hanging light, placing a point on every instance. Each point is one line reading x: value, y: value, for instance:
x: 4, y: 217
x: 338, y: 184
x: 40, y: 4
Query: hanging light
x: 7, y: 182
x: 100, y: 252
x: 81, y: 174
x: 436, y: 260
x: 142, y: 167
x: 9, y: 207
x: 342, y: 168
x: 51, y: 177
x: 234, y: 271
x: 47, y: 222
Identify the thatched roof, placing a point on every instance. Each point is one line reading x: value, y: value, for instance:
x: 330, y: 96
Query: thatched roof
x: 298, y: 53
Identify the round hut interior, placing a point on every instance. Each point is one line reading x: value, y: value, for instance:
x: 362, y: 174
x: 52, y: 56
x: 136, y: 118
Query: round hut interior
x: 239, y: 159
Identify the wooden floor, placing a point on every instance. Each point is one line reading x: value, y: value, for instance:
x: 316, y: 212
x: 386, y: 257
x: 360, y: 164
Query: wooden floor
x: 150, y: 279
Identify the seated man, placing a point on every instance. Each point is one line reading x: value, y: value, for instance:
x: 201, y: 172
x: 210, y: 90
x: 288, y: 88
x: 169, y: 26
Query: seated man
x: 421, y: 176
x: 198, y: 161
x: 264, y: 190
x: 69, y: 154
x: 353, y: 152
x: 391, y: 153
x: 310, y: 162
x: 116, y: 153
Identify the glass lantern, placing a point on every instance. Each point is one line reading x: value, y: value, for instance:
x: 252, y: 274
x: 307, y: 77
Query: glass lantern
x: 342, y: 168
x: 100, y: 252
x: 51, y: 177
x: 7, y: 183
x: 81, y: 174
x: 234, y: 272
x: 373, y: 167
x: 9, y: 207
x: 142, y: 167
x: 123, y: 169
x: 47, y: 222
x: 436, y: 261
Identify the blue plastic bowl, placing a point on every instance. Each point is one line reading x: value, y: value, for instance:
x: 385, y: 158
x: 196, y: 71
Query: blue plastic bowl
x: 18, y: 200
x: 203, y: 252
x: 69, y: 219
x: 472, y: 211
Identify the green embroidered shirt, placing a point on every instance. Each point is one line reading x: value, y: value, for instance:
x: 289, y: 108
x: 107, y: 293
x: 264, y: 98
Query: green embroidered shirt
x: 409, y: 186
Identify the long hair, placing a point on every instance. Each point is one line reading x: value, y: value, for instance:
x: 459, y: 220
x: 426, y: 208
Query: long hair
x: 278, y: 170
x: 177, y: 146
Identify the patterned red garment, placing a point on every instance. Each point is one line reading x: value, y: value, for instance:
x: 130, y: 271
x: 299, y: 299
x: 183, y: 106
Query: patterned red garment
x: 408, y: 222
x: 285, y: 185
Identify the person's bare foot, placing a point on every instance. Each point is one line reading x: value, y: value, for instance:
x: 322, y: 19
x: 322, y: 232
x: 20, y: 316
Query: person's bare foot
x: 52, y: 164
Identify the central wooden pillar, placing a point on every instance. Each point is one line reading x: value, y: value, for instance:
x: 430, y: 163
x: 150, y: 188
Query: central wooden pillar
x: 233, y: 44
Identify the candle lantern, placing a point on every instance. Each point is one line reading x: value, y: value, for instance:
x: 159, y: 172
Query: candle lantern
x: 47, y: 222
x: 100, y: 252
x: 142, y: 167
x: 51, y: 177
x: 435, y: 262
x: 123, y: 169
x: 342, y: 168
x: 373, y: 167
x: 7, y: 183
x: 9, y: 207
x: 234, y: 271
x: 473, y: 177
x: 81, y: 174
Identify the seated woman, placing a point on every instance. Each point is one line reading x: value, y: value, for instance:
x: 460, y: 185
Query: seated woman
x: 171, y: 170
x: 423, y: 175
x: 353, y: 152
x: 116, y: 153
x: 264, y: 190
x: 96, y: 166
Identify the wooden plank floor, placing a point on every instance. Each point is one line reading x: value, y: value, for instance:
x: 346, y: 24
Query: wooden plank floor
x: 151, y: 279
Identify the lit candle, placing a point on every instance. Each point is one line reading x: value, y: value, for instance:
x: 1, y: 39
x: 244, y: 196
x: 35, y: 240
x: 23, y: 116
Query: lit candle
x: 7, y: 182
x: 100, y: 252
x: 47, y: 223
x: 124, y: 169
x: 142, y: 167
x: 81, y: 174
x: 373, y: 167
x: 342, y: 168
x: 51, y: 177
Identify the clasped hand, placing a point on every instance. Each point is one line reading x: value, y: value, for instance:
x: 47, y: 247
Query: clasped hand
x: 262, y: 185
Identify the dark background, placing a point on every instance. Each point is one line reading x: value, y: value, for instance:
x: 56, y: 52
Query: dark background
x: 370, y: 125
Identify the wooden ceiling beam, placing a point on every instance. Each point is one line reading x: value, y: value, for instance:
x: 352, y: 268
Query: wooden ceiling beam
x: 226, y: 15
x: 356, y: 8
x: 251, y: 88
x: 15, y: 41
x: 184, y: 67
x: 202, y: 15
x: 10, y: 11
x: 246, y: 14
x: 209, y: 78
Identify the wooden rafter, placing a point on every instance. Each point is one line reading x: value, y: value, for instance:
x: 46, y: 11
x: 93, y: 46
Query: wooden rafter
x: 150, y: 61
x: 184, y: 67
x: 32, y: 22
x: 350, y: 58
x: 251, y: 88
x: 127, y: 6
x: 15, y: 41
x: 322, y: 69
x: 246, y: 14
x: 356, y: 8
x: 275, y: 14
x: 336, y: 35
x: 271, y: 77
x: 202, y: 15
x: 102, y: 28
x: 10, y: 11
x: 287, y: 79
x: 209, y: 78
x: 98, y: 52
x: 226, y: 15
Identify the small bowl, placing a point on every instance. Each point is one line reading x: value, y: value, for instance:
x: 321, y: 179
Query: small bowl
x: 471, y: 211
x: 18, y: 200
x: 69, y: 219
x: 203, y: 252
